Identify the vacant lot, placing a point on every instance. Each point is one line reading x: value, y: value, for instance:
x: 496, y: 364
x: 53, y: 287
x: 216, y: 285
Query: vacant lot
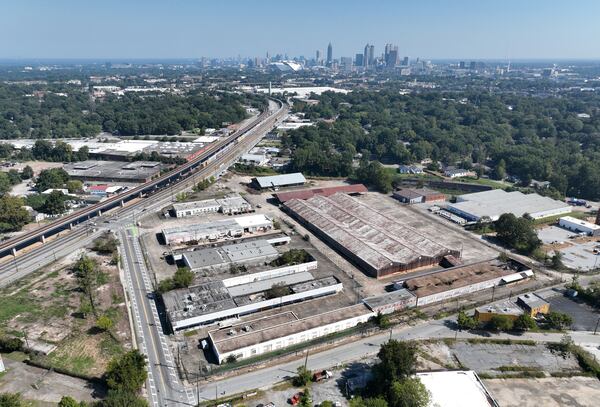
x: 46, y: 311
x: 549, y: 392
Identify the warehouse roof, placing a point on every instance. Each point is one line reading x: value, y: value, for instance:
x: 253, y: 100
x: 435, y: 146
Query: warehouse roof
x: 231, y: 253
x: 280, y: 180
x: 585, y: 224
x: 309, y: 193
x: 198, y: 300
x: 531, y: 300
x: 445, y: 386
x: 506, y: 307
x: 375, y: 238
x: 241, y: 339
x: 263, y: 285
x: 496, y: 202
x: 389, y: 298
x: 237, y: 224
x: 457, y: 277
x: 206, y: 203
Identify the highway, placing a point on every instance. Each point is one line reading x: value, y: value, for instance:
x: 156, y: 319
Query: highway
x: 69, y: 241
x: 275, y: 111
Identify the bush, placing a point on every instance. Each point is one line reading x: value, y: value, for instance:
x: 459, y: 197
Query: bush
x: 8, y: 344
x: 465, y: 321
x: 501, y: 323
x: 303, y: 377
x: 524, y: 322
x: 558, y: 320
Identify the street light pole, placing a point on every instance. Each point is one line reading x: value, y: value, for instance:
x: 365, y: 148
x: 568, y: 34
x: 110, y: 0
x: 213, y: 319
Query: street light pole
x: 596, y: 328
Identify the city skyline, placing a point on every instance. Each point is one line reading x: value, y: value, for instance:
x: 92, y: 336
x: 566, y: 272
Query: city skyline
x: 434, y: 30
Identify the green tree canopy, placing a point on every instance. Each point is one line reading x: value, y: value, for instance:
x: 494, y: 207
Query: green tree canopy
x: 127, y: 372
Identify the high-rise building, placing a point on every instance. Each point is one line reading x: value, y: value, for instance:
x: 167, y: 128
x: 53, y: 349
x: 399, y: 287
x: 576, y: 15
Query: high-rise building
x: 390, y: 55
x: 346, y: 64
x: 372, y: 55
x: 318, y: 57
x: 329, y: 54
x: 359, y: 60
x: 405, y: 61
x: 462, y: 65
x: 366, y: 56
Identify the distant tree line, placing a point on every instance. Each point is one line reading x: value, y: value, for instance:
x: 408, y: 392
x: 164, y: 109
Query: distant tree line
x: 528, y: 137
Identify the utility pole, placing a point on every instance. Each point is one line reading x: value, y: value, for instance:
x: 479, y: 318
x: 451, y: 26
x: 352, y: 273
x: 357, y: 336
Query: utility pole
x: 198, y: 384
x: 596, y: 328
x: 306, y: 358
x: 493, y: 292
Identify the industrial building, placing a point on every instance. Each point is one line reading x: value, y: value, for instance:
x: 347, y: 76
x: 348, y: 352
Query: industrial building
x: 394, y: 301
x: 254, y: 159
x: 421, y: 195
x: 354, y: 189
x: 232, y: 204
x: 114, y: 171
x: 462, y: 280
x: 219, y: 258
x: 281, y: 330
x: 489, y: 205
x: 456, y: 388
x: 231, y: 298
x: 219, y: 229
x: 533, y: 304
x: 379, y: 244
x: 579, y: 226
x: 279, y: 181
x: 505, y: 308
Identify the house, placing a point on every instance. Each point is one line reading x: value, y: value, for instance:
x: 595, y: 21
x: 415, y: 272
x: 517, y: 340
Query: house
x: 457, y: 172
x: 533, y: 304
x: 409, y: 169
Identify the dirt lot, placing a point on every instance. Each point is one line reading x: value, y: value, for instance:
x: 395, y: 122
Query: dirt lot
x: 548, y: 392
x: 46, y: 309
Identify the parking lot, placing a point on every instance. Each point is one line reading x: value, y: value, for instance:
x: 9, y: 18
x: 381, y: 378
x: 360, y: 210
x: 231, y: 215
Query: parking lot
x: 584, y: 316
x: 577, y: 254
x: 489, y: 357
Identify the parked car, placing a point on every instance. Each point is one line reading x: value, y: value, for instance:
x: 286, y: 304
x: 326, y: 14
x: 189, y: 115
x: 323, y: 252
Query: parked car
x: 321, y: 375
x: 295, y: 399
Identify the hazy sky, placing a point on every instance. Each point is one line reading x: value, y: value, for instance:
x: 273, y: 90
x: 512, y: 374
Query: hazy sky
x: 193, y: 28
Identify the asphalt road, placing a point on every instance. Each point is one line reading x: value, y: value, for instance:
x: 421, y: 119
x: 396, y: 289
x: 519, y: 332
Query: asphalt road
x: 163, y: 385
x: 363, y: 348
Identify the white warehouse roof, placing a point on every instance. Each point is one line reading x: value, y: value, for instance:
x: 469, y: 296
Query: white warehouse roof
x: 497, y: 202
x: 281, y: 180
x: 456, y: 389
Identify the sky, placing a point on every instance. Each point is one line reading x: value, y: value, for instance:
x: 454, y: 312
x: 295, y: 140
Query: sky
x: 433, y: 29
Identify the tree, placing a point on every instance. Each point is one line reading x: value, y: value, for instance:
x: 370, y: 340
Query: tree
x: 12, y: 214
x: 303, y: 376
x: 381, y: 320
x: 517, y: 233
x: 397, y: 361
x: 524, y: 322
x: 183, y: 277
x: 10, y: 344
x: 5, y: 184
x: 86, y: 273
x: 127, y: 372
x: 408, y: 392
x: 465, y: 321
x: 558, y: 320
x: 500, y: 170
x: 74, y: 186
x: 556, y: 261
x: 123, y: 398
x: 55, y: 203
x: 106, y: 244
x: 27, y: 172
x: 52, y: 178
x: 104, y: 323
x: 305, y: 398
x: 501, y: 323
x: 326, y: 403
x: 13, y: 176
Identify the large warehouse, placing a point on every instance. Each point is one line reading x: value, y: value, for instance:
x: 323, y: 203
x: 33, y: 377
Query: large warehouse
x: 219, y: 258
x: 217, y: 300
x: 114, y: 171
x: 279, y: 181
x: 281, y: 330
x: 379, y: 244
x: 491, y: 204
x: 212, y: 231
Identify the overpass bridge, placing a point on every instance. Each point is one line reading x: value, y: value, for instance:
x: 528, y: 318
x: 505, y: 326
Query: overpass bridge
x: 268, y: 117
